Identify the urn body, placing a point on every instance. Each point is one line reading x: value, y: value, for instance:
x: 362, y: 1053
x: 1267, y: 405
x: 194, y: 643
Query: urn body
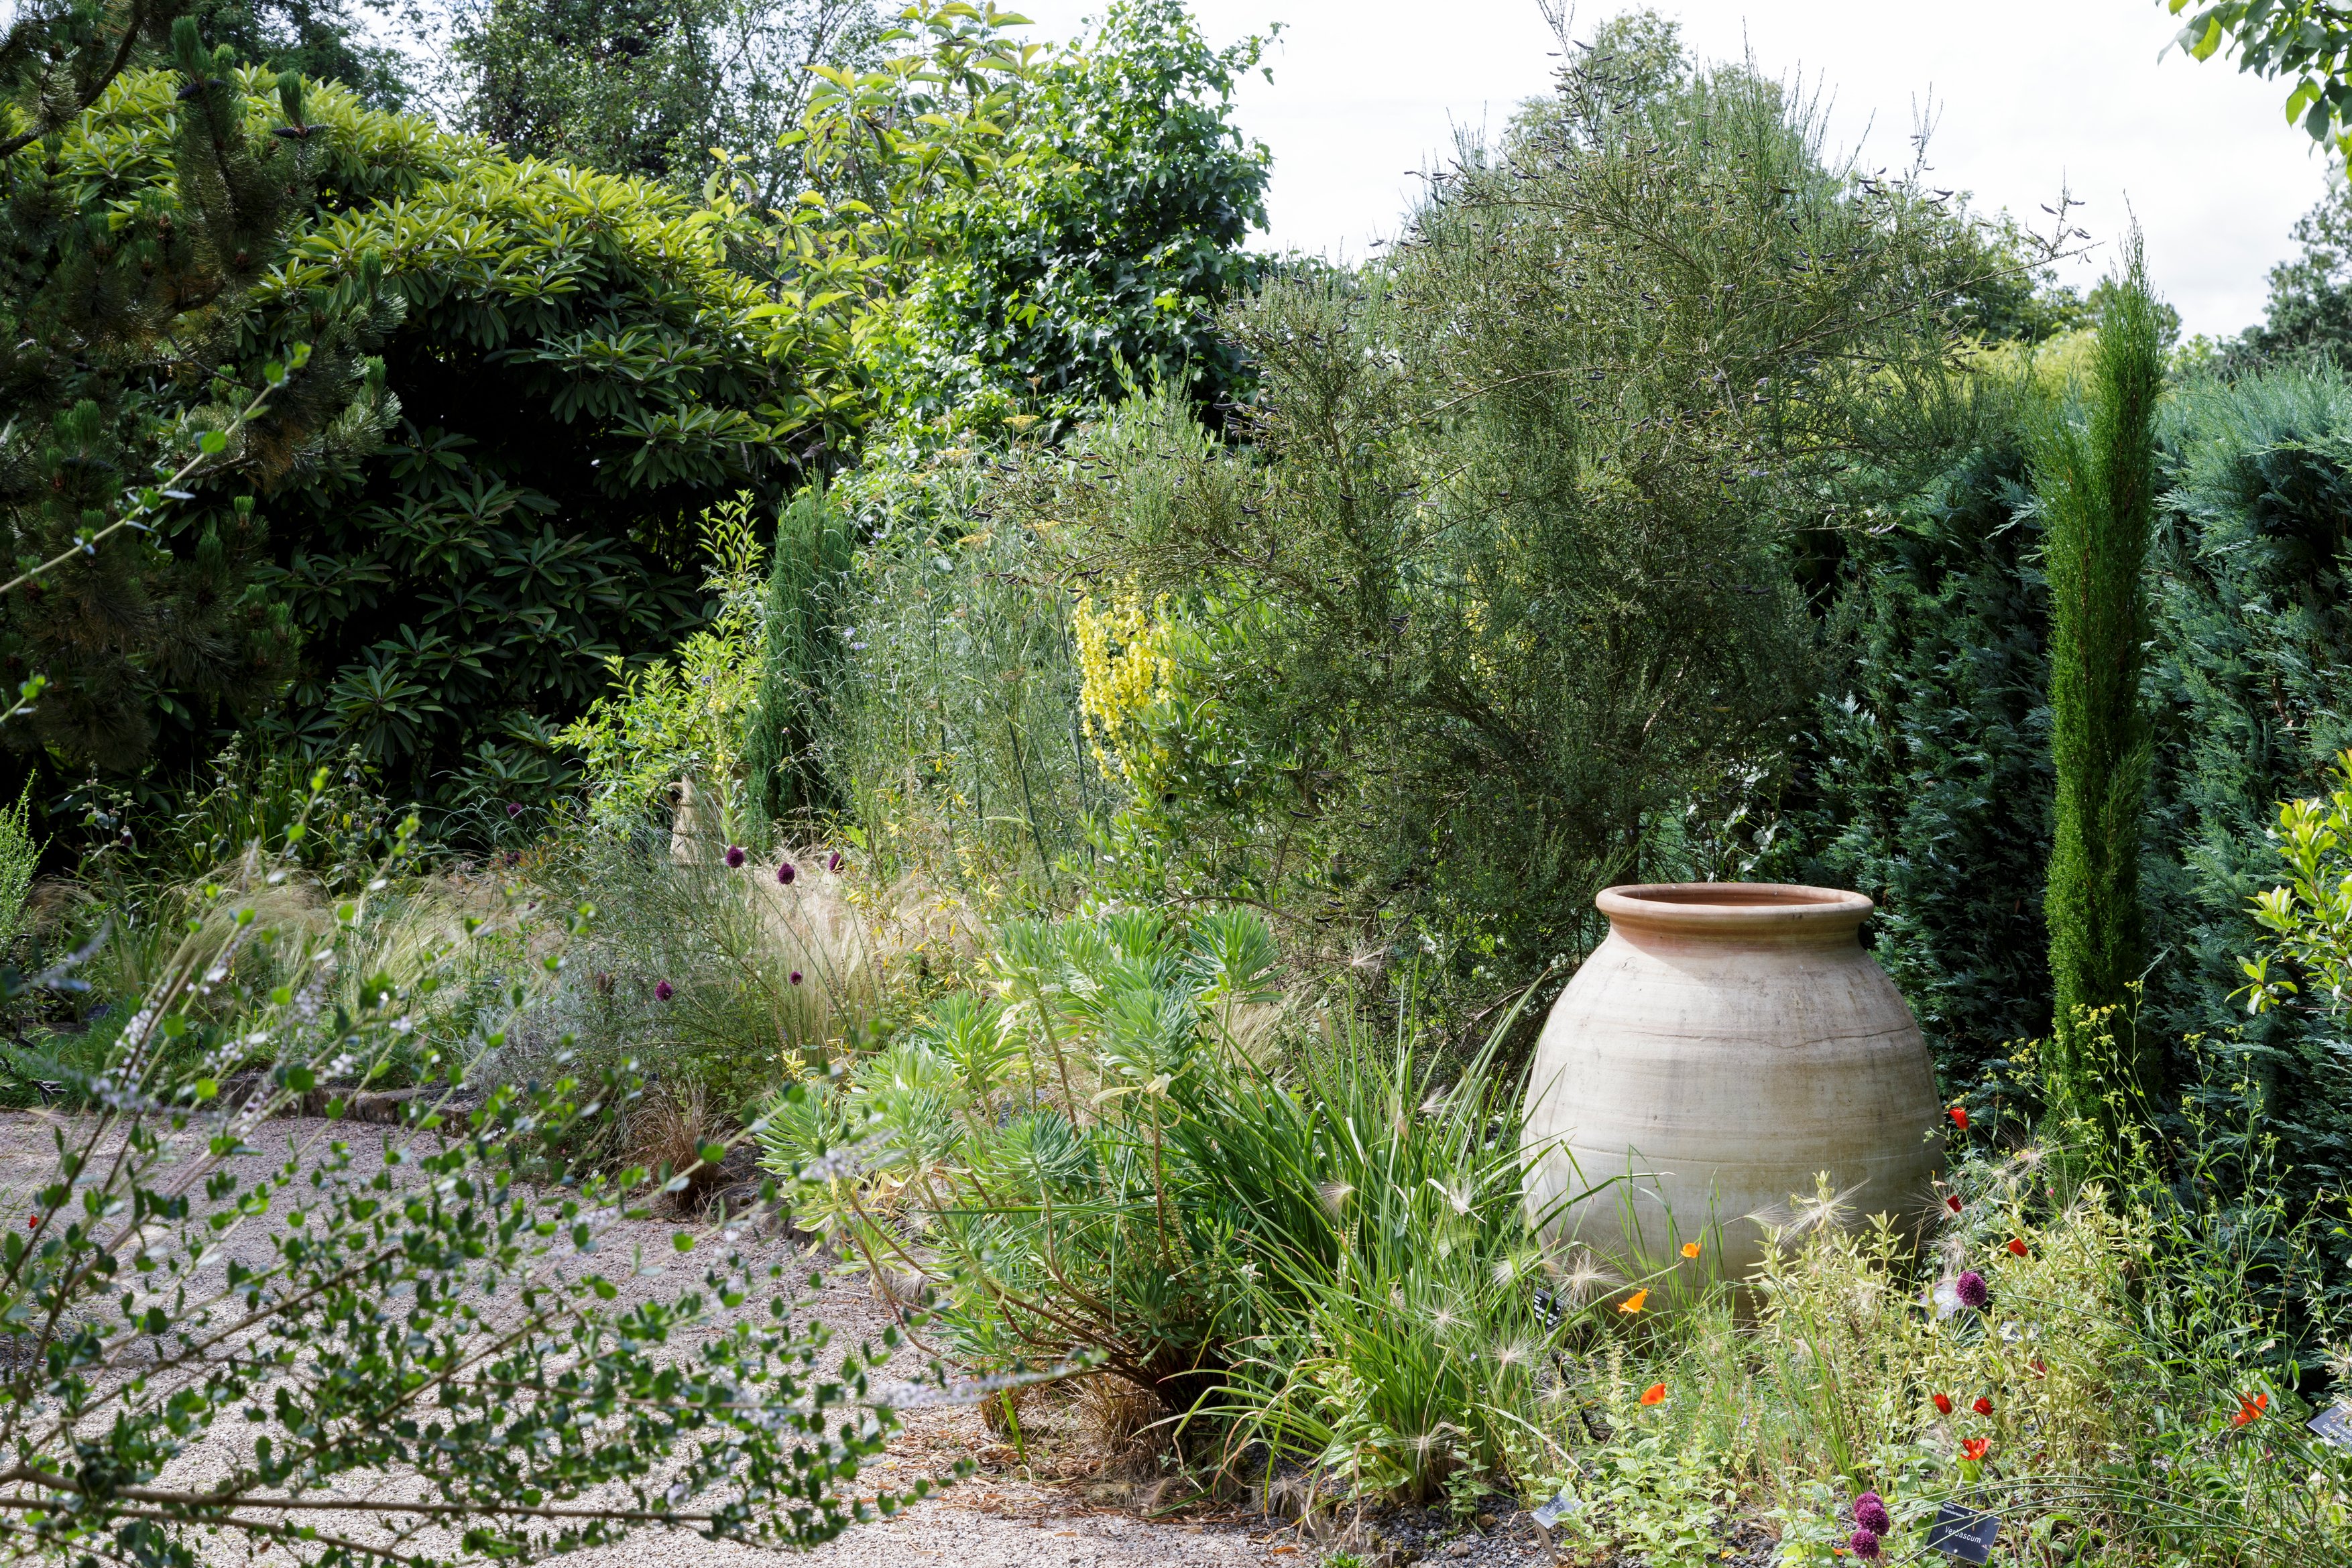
x: 1726, y: 1044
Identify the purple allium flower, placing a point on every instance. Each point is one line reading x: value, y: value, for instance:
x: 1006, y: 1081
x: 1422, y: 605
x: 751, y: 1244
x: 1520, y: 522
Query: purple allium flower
x: 514, y: 808
x: 734, y: 856
x: 1971, y: 1289
x: 663, y: 991
x: 833, y: 862
x: 796, y: 977
x: 1870, y: 1512
x: 784, y: 874
x: 1864, y: 1543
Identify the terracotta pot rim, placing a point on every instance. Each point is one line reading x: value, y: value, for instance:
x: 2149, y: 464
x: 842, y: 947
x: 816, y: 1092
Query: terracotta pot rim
x: 1735, y: 908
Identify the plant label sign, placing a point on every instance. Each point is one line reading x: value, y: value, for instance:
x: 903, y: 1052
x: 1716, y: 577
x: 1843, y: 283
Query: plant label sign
x: 2333, y: 1426
x: 1546, y: 1519
x: 1963, y: 1534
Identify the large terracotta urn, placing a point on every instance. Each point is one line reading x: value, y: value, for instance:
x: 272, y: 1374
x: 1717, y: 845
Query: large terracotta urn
x: 1727, y: 1042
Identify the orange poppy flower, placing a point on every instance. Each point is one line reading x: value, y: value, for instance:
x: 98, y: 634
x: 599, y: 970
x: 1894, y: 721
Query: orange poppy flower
x: 1690, y: 1248
x: 1635, y: 1302
x: 1655, y: 1395
x: 1975, y: 1448
x: 2249, y: 1409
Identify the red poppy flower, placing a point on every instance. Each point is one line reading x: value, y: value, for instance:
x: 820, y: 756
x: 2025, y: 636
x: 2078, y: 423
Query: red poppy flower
x: 1959, y: 1114
x: 1943, y: 1402
x: 1975, y: 1448
x: 1952, y: 1202
x: 2016, y: 1248
x: 1983, y: 1407
x: 2249, y: 1409
x: 32, y: 1222
x: 1654, y: 1394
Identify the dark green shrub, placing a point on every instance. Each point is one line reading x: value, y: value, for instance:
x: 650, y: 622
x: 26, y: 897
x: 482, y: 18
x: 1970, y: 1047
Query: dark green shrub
x: 1922, y: 776
x: 807, y: 587
x: 567, y: 367
x: 2251, y: 659
x: 136, y: 322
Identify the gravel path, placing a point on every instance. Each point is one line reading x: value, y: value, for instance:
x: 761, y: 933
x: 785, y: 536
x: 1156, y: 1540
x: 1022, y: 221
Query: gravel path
x: 1049, y: 1514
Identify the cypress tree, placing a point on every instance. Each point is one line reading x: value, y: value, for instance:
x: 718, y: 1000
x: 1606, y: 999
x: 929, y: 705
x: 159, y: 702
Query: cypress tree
x: 2097, y: 478
x: 811, y: 553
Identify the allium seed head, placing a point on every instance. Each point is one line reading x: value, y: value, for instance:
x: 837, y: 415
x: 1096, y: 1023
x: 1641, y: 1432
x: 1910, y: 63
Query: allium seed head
x: 663, y: 991
x: 1864, y: 1543
x: 735, y: 856
x: 1971, y: 1290
x: 1869, y: 1514
x: 784, y: 874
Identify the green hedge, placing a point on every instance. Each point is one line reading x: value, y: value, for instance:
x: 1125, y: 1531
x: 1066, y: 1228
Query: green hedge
x: 1924, y: 779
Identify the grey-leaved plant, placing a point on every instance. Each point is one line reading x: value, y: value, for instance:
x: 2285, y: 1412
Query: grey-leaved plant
x: 409, y: 1347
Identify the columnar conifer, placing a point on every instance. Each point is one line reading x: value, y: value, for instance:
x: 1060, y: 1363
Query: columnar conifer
x: 2096, y: 479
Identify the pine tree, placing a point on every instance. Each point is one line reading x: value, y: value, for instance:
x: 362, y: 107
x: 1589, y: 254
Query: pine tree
x: 129, y: 343
x: 2097, y: 486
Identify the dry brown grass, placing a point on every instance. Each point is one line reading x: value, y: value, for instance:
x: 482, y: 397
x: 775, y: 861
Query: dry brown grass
x: 666, y: 1134
x: 1122, y: 1423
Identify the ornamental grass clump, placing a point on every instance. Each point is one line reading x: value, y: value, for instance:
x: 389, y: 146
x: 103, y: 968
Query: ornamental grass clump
x: 1032, y: 1151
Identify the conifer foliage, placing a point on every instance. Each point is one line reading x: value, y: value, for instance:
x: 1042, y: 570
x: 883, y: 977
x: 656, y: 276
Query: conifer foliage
x: 140, y: 213
x: 2097, y: 482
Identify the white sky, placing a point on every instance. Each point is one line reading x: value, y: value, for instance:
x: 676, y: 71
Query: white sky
x: 2030, y: 94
